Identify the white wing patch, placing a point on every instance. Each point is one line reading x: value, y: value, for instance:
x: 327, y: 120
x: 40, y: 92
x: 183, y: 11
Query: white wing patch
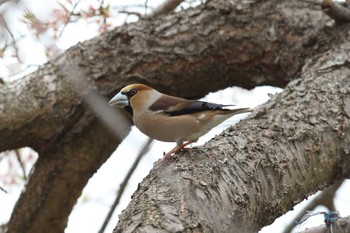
x: 201, y: 116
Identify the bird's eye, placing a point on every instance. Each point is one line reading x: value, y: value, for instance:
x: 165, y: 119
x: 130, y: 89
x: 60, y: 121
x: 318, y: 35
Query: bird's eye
x: 133, y: 92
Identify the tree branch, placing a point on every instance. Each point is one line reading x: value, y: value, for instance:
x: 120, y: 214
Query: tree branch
x: 325, y: 198
x: 182, y: 53
x: 175, y: 58
x: 340, y: 226
x: 260, y: 168
x: 166, y: 7
x: 143, y: 151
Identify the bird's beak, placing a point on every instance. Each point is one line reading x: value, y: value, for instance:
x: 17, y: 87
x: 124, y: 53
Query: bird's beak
x: 119, y: 100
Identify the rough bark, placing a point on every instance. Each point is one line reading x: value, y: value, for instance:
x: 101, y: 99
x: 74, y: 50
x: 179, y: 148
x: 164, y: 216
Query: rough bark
x: 188, y: 53
x: 292, y: 146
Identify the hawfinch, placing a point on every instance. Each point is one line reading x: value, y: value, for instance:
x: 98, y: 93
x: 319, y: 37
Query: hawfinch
x: 171, y: 119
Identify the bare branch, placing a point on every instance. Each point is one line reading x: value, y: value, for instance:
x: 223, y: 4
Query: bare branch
x: 132, y: 13
x: 14, y: 43
x: 325, y: 198
x: 18, y: 156
x: 122, y: 186
x: 166, y: 7
x: 2, y: 189
x: 69, y: 16
x: 340, y: 226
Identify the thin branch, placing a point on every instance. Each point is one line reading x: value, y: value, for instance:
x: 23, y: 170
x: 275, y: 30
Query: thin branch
x: 12, y: 38
x: 326, y: 198
x: 18, y: 156
x: 165, y: 7
x: 131, y: 13
x: 2, y: 189
x: 342, y: 225
x: 146, y: 6
x: 68, y: 18
x: 143, y: 151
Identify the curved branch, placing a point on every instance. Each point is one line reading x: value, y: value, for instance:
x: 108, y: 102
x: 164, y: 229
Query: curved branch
x: 290, y: 147
x: 180, y: 54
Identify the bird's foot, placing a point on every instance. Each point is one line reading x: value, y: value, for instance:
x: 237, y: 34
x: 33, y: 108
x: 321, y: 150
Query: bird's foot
x: 185, y: 148
x: 166, y: 156
x: 173, y: 152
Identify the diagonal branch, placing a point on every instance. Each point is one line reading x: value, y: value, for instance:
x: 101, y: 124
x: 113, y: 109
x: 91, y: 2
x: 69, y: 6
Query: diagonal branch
x: 325, y: 198
x: 166, y: 7
x: 143, y: 151
x: 340, y: 226
x: 292, y: 146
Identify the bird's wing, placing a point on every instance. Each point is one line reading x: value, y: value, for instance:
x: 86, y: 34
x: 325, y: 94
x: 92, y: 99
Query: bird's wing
x: 174, y: 106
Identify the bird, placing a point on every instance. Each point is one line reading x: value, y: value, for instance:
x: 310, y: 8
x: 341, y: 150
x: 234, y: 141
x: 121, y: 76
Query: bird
x: 171, y: 119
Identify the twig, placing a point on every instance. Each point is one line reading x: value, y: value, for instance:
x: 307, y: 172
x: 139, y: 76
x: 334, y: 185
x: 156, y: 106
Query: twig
x: 339, y: 12
x: 326, y: 198
x: 146, y: 6
x: 18, y: 156
x: 12, y: 38
x: 69, y: 16
x: 122, y: 186
x: 165, y: 7
x: 131, y: 13
x: 162, y: 9
x: 2, y: 189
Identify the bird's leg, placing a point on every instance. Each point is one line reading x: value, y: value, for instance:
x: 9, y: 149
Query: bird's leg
x: 167, y: 155
x: 180, y: 146
x: 171, y: 152
x: 183, y: 146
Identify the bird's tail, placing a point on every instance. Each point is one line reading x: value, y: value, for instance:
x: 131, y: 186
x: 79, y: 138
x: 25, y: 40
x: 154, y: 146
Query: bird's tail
x: 240, y: 110
x: 226, y: 113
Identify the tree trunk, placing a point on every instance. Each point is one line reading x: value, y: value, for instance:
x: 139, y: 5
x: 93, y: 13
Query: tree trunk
x: 189, y: 53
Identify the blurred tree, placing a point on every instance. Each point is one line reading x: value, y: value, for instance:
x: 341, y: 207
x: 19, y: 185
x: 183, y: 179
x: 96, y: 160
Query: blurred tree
x: 292, y: 146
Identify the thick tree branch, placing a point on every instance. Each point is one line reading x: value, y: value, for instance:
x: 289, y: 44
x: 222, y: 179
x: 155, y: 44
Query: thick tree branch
x: 58, y: 179
x: 182, y: 53
x: 178, y: 54
x: 290, y: 147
